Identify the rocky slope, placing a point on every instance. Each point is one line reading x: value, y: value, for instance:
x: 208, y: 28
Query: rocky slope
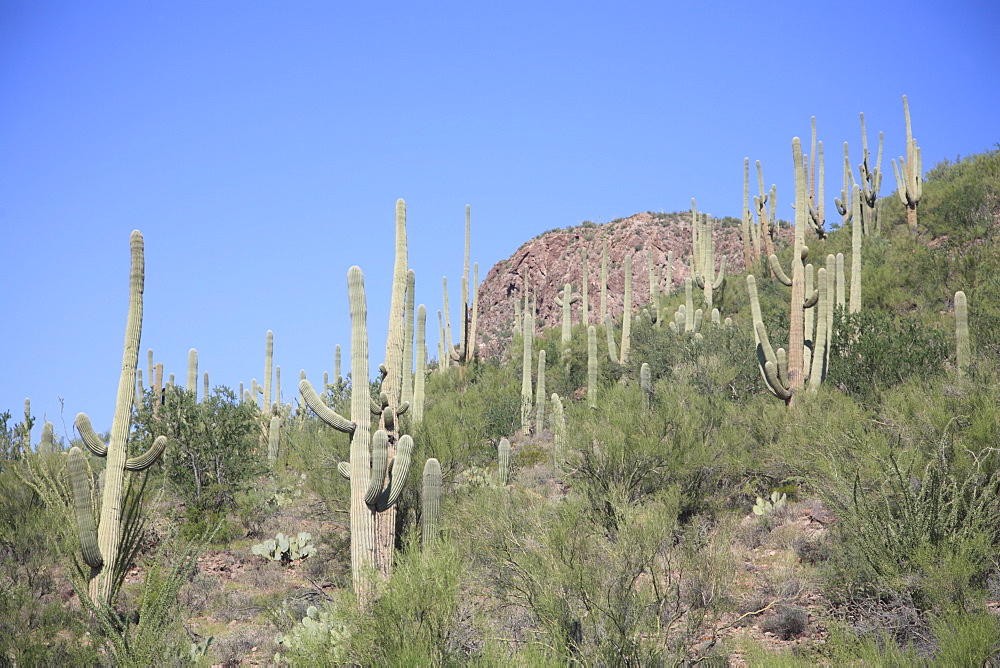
x: 555, y: 258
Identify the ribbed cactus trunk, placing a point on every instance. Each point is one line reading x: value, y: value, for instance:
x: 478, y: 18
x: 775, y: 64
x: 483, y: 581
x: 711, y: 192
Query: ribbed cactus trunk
x: 558, y: 435
x: 407, y: 367
x: 796, y: 325
x: 646, y: 385
x: 585, y: 291
x: 592, y: 363
x: 430, y: 511
x: 273, y: 439
x: 766, y: 213
x: 192, y: 373
x: 417, y: 411
x: 336, y: 368
x: 627, y: 313
x: 962, y: 348
x: 526, y: 394
x: 363, y: 536
x: 503, y: 461
x: 268, y: 366
x: 116, y: 451
x: 909, y: 176
x: 841, y: 288
x: 540, y: 392
x: 855, y: 303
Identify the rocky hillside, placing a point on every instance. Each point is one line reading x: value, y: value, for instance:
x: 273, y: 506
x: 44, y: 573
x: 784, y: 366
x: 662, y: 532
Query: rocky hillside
x: 555, y: 258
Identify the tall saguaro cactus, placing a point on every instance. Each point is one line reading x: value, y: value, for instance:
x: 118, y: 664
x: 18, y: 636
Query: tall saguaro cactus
x: 871, y: 181
x: 268, y: 366
x: 104, y: 561
x: 192, y: 372
x: 379, y: 462
x: 786, y: 373
x: 909, y: 177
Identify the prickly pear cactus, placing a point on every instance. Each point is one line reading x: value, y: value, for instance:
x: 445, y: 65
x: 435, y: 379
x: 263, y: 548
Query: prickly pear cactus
x: 770, y: 505
x: 286, y: 549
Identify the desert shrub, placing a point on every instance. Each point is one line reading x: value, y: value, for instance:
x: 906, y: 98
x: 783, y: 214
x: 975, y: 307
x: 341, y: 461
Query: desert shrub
x: 213, y: 451
x: 872, y: 351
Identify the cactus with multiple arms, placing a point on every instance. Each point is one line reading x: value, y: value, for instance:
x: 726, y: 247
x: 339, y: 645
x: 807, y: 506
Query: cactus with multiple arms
x: 871, y: 181
x: 786, y: 373
x: 909, y: 177
x: 105, y: 571
x: 703, y: 271
x: 817, y: 213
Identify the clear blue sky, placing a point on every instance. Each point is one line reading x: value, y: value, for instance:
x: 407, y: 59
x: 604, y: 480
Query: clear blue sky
x: 260, y: 147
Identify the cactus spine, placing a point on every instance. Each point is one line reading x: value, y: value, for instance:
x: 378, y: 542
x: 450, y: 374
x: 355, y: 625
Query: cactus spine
x: 909, y: 175
x: 102, y: 575
x: 430, y: 511
x: 962, y: 350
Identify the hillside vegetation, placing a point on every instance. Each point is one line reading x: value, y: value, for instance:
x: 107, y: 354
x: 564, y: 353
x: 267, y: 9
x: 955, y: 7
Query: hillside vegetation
x: 693, y: 518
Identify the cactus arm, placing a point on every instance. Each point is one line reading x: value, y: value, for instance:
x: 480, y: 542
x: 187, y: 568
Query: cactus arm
x: 148, y: 458
x: 344, y: 469
x: 89, y: 436
x: 324, y: 412
x: 380, y: 460
x: 399, y: 471
x: 779, y: 273
x: 80, y: 484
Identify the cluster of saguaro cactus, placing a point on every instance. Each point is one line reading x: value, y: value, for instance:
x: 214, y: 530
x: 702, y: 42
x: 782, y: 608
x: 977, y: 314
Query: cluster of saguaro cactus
x: 703, y: 270
x: 766, y: 206
x: 101, y: 545
x: 430, y: 506
x: 379, y: 462
x: 687, y: 319
x: 871, y: 181
x: 786, y: 373
x: 465, y: 352
x: 817, y: 211
x: 909, y: 177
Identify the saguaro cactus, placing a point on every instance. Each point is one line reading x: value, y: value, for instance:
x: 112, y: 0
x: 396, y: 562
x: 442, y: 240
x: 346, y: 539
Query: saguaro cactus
x: 646, y: 385
x: 855, y: 303
x: 46, y: 444
x: 592, y: 364
x: 871, y: 181
x: 558, y: 434
x: 417, y: 412
x: 268, y: 366
x: 703, y: 271
x: 379, y: 462
x: 962, y: 349
x: 584, y: 290
x: 817, y: 212
x: 540, y: 392
x: 766, y: 207
x: 786, y: 373
x: 105, y: 562
x: 192, y: 373
x: 430, y: 507
x: 565, y: 299
x: 503, y: 461
x: 527, y: 340
x: 909, y: 175
x: 273, y: 439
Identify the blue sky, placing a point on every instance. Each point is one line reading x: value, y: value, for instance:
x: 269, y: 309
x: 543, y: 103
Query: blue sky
x: 260, y: 147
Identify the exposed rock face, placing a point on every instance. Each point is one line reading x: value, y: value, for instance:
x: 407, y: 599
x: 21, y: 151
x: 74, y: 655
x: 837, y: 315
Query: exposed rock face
x: 556, y: 258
